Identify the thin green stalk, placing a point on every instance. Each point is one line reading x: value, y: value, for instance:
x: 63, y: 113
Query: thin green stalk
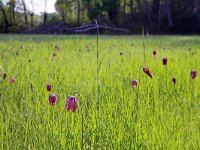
x: 137, y: 97
x: 144, y: 48
x: 137, y: 93
x: 97, y: 67
x: 166, y: 77
x: 192, y: 88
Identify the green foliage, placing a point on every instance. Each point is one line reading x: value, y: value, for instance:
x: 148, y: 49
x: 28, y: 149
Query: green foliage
x: 157, y: 16
x: 96, y: 11
x: 53, y: 18
x: 154, y: 115
x: 64, y: 7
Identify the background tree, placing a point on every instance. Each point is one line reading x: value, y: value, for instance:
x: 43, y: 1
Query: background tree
x: 78, y: 11
x: 169, y: 13
x: 3, y: 10
x: 45, y: 15
x: 11, y: 5
x: 25, y: 12
x: 32, y: 13
x: 157, y: 16
x: 111, y: 7
x: 63, y: 7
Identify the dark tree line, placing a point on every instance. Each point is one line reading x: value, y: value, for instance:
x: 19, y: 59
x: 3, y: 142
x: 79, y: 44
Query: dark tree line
x: 157, y: 16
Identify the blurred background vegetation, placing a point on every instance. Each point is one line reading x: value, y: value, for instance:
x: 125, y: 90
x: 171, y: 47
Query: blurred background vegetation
x: 157, y: 16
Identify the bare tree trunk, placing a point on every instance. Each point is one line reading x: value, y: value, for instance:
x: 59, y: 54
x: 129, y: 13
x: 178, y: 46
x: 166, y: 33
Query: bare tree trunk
x: 198, y: 22
x: 10, y: 13
x: 13, y: 11
x: 32, y: 14
x: 79, y: 10
x: 148, y: 12
x: 139, y: 5
x: 45, y: 18
x: 124, y: 9
x: 5, y: 17
x: 63, y: 12
x: 159, y: 16
x: 32, y: 19
x: 63, y: 15
x: 155, y: 9
x: 45, y: 13
x: 131, y: 8
x: 25, y: 12
x: 82, y: 10
x: 169, y: 13
x: 155, y: 14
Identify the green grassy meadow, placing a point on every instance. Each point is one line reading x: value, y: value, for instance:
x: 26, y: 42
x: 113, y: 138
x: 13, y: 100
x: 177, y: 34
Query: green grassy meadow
x: 111, y: 113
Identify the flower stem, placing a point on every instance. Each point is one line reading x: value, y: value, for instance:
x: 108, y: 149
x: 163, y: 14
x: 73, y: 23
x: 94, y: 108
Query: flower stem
x: 144, y: 48
x: 97, y: 54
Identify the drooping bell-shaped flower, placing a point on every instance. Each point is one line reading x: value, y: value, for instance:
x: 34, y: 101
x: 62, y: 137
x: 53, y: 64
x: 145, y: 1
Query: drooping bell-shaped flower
x: 13, y: 80
x: 4, y: 76
x: 193, y: 74
x: 147, y: 71
x: 134, y: 82
x: 154, y: 52
x: 71, y: 103
x: 174, y: 80
x: 52, y: 99
x: 164, y: 61
x: 48, y: 87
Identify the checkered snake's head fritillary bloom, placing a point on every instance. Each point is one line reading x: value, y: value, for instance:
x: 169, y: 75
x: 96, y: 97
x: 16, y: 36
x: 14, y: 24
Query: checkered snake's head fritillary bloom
x: 71, y: 103
x: 134, y: 82
x: 164, y: 61
x: 49, y: 87
x: 13, y: 80
x: 147, y: 71
x: 193, y: 74
x: 174, y: 80
x: 52, y: 99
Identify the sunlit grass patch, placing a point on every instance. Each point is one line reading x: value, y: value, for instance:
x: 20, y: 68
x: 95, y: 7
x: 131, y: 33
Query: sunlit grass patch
x: 155, y: 114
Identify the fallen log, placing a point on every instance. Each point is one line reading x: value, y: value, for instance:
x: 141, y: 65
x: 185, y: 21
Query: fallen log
x: 63, y: 29
x: 93, y: 27
x: 84, y: 26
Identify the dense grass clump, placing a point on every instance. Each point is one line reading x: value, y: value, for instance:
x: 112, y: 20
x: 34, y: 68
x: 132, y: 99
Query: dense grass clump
x: 161, y: 112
